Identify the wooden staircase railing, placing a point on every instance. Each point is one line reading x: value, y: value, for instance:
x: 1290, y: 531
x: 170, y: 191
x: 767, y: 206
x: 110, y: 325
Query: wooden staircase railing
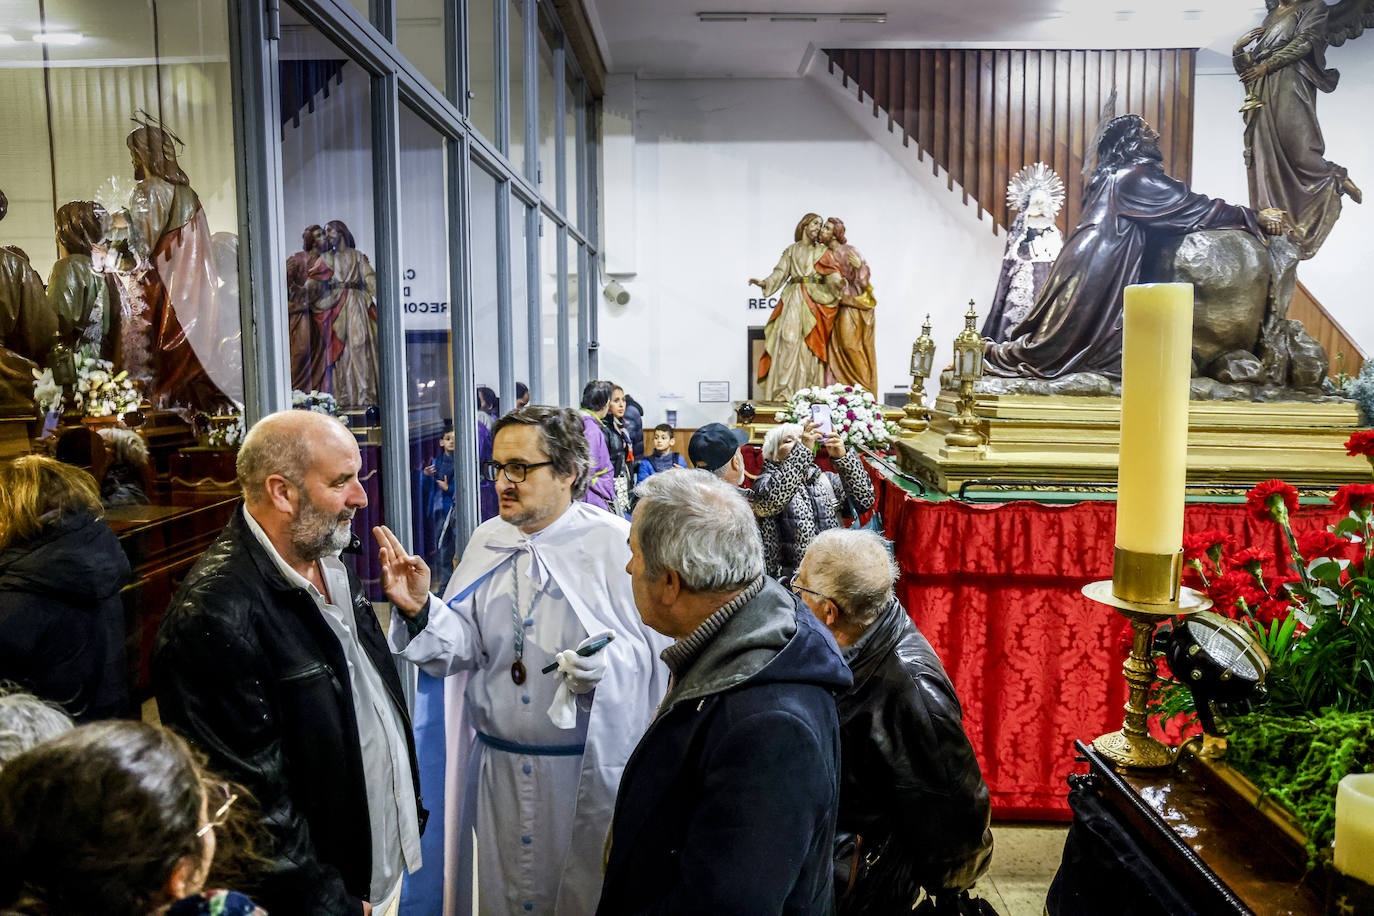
x: 984, y: 114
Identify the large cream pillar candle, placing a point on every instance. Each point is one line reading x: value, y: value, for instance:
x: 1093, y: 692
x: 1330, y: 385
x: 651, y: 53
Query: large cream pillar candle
x: 1157, y: 343
x: 1355, y: 826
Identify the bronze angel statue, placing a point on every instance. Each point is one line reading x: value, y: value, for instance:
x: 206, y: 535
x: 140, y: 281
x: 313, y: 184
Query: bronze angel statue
x: 1282, y: 63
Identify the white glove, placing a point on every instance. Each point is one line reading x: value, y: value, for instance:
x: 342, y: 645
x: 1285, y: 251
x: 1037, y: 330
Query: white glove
x: 583, y: 672
x: 577, y: 674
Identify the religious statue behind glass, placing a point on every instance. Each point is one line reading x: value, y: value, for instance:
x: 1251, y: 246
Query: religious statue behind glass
x: 1075, y: 323
x: 797, y: 335
x: 27, y: 327
x: 1283, y: 64
x: 1033, y: 243
x: 83, y: 297
x: 175, y: 321
x: 341, y: 287
x: 851, y: 357
x: 307, y: 354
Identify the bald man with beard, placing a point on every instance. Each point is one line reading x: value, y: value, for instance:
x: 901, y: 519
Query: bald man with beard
x: 271, y: 661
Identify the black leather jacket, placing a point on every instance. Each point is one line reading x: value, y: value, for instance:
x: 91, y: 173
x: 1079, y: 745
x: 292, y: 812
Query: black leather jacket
x: 912, y: 798
x: 247, y: 668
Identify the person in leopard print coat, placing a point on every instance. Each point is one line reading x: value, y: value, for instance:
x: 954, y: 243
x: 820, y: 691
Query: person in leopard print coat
x: 795, y: 500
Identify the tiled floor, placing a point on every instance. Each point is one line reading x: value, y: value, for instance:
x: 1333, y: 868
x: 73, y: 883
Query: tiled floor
x: 1024, y: 861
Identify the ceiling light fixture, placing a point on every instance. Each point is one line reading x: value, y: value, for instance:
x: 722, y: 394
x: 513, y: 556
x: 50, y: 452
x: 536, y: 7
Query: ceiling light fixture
x: 790, y: 16
x: 58, y: 38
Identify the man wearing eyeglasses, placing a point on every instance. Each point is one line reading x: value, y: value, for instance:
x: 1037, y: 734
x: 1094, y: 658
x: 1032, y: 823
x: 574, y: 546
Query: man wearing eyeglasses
x: 913, y: 805
x: 561, y: 675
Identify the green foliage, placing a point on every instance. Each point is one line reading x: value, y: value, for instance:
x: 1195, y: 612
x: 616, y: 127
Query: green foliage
x: 1331, y: 666
x: 1299, y: 760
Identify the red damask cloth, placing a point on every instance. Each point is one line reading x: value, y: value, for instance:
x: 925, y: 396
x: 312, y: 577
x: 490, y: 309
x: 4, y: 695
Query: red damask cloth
x: 995, y: 588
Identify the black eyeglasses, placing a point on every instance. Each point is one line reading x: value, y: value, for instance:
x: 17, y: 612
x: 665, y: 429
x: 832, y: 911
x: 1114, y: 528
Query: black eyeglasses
x: 222, y: 793
x: 791, y: 583
x: 515, y: 471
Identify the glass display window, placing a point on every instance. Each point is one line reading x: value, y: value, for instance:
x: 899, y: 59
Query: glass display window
x: 331, y: 282
x: 427, y: 320
x: 119, y: 265
x: 481, y: 63
x: 420, y: 29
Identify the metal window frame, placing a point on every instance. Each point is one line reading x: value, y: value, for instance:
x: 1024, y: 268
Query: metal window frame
x: 395, y: 83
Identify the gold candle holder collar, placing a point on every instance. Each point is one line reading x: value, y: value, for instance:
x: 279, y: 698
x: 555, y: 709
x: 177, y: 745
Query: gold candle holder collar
x: 1144, y: 588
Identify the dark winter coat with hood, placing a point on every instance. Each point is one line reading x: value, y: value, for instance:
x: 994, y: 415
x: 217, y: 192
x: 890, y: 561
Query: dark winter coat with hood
x: 61, y: 618
x: 728, y: 803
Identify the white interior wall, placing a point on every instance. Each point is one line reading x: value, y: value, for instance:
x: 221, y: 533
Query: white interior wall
x: 1336, y: 276
x: 722, y: 171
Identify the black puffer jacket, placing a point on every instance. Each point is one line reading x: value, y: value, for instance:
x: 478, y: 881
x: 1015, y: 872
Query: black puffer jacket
x: 61, y: 619
x: 247, y: 668
x: 912, y: 798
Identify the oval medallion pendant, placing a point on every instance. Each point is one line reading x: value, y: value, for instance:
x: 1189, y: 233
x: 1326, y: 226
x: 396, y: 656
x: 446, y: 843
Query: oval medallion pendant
x: 517, y: 672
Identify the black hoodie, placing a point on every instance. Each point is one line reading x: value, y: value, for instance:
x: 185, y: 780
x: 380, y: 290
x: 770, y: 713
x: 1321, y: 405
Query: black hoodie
x: 61, y: 618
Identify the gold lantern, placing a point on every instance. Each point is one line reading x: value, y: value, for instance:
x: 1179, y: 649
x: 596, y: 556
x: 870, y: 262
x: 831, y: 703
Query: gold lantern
x: 922, y: 363
x: 967, y: 370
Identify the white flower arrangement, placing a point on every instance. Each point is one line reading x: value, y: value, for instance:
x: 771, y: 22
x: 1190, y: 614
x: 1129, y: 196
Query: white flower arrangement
x: 46, y: 392
x: 225, y: 432
x: 100, y: 392
x: 857, y: 418
x: 318, y: 401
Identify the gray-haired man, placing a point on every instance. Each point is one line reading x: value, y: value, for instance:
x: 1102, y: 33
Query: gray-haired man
x: 913, y: 805
x: 728, y: 803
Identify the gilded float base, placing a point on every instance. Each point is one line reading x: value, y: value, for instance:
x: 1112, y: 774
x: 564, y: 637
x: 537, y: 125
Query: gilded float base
x: 1029, y: 441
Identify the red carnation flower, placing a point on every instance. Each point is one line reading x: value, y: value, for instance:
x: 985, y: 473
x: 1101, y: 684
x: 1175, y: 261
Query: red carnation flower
x: 1322, y: 543
x: 1227, y: 589
x: 1360, y: 442
x: 1271, y: 501
x: 1251, y: 559
x: 1354, y: 497
x: 1196, y: 546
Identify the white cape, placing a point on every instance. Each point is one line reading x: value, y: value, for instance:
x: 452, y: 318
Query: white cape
x: 585, y: 551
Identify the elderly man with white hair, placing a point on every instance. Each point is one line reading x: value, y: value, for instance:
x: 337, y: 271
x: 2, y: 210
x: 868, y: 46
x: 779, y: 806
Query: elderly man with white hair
x: 728, y: 803
x: 914, y: 808
x: 793, y: 508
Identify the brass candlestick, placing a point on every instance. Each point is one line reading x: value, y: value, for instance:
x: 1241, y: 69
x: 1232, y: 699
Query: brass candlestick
x: 1145, y: 588
x: 922, y: 362
x: 967, y: 370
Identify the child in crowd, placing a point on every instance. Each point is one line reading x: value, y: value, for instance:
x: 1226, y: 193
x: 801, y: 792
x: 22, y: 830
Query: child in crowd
x: 663, y: 456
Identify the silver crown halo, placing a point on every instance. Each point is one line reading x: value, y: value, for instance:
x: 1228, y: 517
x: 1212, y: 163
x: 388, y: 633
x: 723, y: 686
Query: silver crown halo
x: 1038, y: 177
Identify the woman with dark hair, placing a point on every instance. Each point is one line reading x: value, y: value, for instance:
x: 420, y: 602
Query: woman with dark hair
x: 618, y: 445
x: 115, y: 819
x: 596, y: 403
x: 61, y: 570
